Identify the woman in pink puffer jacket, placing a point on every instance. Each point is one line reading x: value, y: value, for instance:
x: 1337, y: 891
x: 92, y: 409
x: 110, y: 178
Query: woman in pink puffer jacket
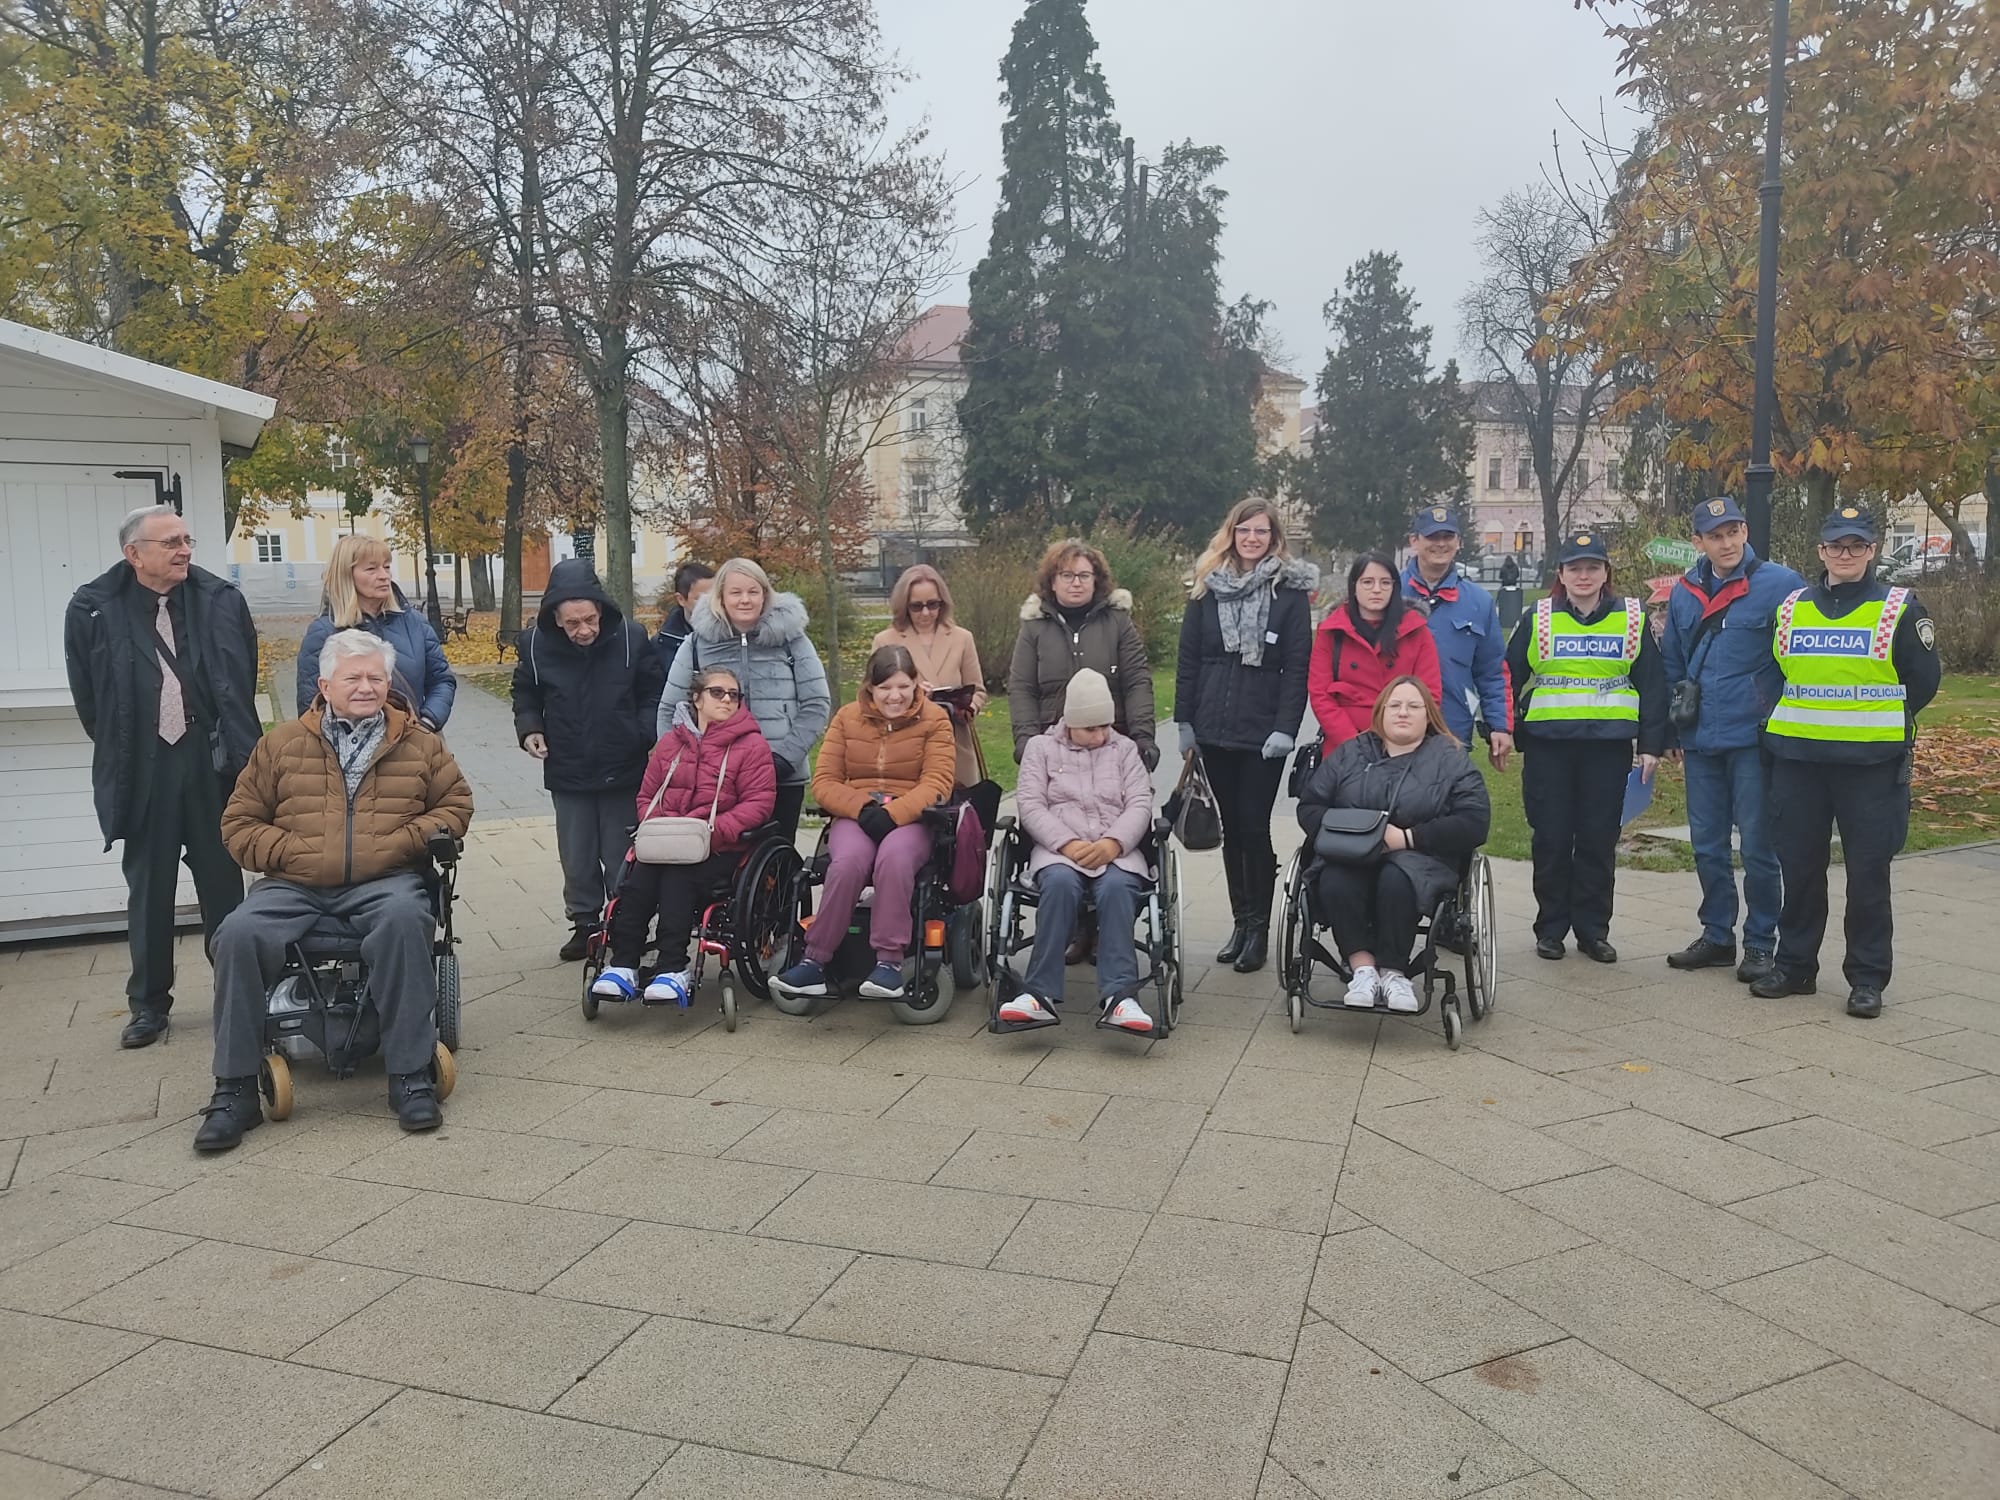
x: 1086, y: 801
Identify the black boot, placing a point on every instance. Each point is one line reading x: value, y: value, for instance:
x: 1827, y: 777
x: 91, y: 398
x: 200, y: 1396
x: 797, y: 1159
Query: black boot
x: 1256, y: 945
x: 579, y: 942
x: 1232, y: 870
x: 234, y: 1109
x: 415, y: 1100
x: 1257, y: 890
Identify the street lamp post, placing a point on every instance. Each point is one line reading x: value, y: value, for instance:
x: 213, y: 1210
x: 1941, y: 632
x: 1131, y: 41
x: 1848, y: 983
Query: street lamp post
x: 1759, y: 475
x: 420, y: 451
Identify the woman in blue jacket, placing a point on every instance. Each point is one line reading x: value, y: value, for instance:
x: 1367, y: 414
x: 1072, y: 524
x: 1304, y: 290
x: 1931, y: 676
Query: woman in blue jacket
x: 361, y: 595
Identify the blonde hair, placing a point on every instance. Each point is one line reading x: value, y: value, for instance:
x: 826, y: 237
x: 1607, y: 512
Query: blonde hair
x: 899, y: 596
x: 1222, y: 546
x: 1433, y: 715
x: 349, y: 553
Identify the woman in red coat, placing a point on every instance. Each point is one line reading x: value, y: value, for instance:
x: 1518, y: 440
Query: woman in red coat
x: 716, y: 757
x: 1363, y: 646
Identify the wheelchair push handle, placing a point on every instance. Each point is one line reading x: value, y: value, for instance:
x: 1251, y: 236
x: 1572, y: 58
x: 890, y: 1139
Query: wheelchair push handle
x: 443, y: 848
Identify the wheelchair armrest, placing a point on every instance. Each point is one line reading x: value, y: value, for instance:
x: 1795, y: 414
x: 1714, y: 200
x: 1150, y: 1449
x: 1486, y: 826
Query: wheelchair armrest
x: 940, y: 817
x: 443, y: 848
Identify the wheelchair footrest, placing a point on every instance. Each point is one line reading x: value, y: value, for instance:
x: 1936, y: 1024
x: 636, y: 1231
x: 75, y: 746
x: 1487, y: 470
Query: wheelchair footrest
x: 1003, y: 1028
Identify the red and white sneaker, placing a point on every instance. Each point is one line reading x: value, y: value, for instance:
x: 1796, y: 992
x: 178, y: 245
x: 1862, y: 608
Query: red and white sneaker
x: 1129, y: 1015
x: 1026, y: 1010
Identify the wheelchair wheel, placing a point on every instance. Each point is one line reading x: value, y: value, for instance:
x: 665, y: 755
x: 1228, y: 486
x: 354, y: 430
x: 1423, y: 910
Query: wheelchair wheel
x: 1293, y: 934
x: 1482, y: 969
x: 965, y: 934
x: 728, y: 1003
x: 447, y: 1001
x: 274, y: 1082
x: 1454, y: 1024
x: 1000, y: 907
x: 1296, y: 1008
x: 444, y: 1072
x: 763, y: 911
x: 1172, y: 904
x: 589, y: 999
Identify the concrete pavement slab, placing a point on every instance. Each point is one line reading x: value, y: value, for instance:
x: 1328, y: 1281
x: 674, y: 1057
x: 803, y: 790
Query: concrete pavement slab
x: 897, y: 1218
x: 1494, y: 1083
x: 722, y: 1386
x: 480, y: 1240
x: 1941, y: 1260
x: 1903, y: 1174
x: 1855, y: 1055
x: 702, y: 1192
x: 1419, y: 1312
x: 850, y: 1145
x: 1676, y: 1156
x: 784, y: 1083
x: 1208, y: 1417
x: 1718, y: 1109
x: 443, y: 1448
x: 655, y: 1122
x: 1255, y: 1179
x: 94, y: 1260
x: 1694, y: 1343
x: 1063, y: 1114
x: 1035, y: 1324
x: 1110, y: 1175
x: 1980, y: 1095
x: 47, y: 1358
x: 1683, y: 1046
x: 1287, y: 1104
x: 698, y: 1473
x: 41, y: 1215
x: 1482, y: 1144
x: 1214, y: 1285
x: 172, y: 1415
x: 955, y: 1427
x: 270, y: 1209
x: 703, y: 1274
x: 1913, y: 1119
x: 1612, y: 1432
x: 1073, y: 1241
x: 31, y: 1479
x: 1875, y: 1440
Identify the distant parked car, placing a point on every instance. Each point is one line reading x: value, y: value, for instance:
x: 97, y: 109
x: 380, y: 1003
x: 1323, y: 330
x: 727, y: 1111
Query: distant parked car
x: 1926, y: 569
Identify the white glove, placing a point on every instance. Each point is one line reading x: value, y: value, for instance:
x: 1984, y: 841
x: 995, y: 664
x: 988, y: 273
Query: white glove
x: 1187, y: 739
x: 1278, y: 746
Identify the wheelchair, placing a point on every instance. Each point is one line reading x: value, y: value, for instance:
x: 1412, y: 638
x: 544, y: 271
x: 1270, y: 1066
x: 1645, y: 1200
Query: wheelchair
x: 945, y: 934
x: 740, y: 927
x: 1462, y: 924
x: 321, y: 1000
x: 1011, y: 892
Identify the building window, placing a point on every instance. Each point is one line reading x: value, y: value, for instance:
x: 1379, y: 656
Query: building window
x: 1524, y: 540
x: 919, y: 416
x: 1493, y: 472
x: 1583, y: 473
x: 918, y: 489
x: 339, y: 452
x: 1490, y: 540
x: 444, y: 559
x: 1524, y: 473
x: 270, y: 547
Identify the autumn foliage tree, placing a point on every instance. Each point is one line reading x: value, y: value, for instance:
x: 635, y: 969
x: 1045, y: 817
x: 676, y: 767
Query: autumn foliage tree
x: 1888, y: 316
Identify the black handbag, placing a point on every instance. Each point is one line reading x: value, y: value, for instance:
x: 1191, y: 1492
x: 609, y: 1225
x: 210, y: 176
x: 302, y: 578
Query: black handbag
x: 1351, y: 836
x: 1192, y: 810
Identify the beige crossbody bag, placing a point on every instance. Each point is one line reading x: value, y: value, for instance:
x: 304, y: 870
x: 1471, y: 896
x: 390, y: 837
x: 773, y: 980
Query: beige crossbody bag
x: 677, y: 841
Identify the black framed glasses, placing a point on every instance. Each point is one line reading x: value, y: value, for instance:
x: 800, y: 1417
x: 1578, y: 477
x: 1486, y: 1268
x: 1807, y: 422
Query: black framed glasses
x: 1847, y: 549
x: 1087, y: 576
x: 723, y: 694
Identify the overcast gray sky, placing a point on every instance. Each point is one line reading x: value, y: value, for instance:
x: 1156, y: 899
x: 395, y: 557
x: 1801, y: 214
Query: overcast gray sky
x: 1351, y: 125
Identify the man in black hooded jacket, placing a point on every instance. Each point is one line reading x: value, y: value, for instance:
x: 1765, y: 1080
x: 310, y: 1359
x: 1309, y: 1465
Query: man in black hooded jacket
x: 162, y: 661
x: 586, y: 689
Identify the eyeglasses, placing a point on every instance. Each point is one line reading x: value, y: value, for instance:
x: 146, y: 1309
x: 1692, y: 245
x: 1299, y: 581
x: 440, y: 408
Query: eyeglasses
x: 724, y: 695
x: 1253, y: 531
x: 171, y: 543
x: 925, y: 606
x: 1087, y: 576
x: 1847, y: 549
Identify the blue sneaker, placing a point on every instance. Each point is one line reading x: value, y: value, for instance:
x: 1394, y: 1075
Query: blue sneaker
x: 885, y: 983
x: 803, y: 978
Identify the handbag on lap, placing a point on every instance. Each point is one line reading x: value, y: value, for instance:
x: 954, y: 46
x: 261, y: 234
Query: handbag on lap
x: 677, y: 841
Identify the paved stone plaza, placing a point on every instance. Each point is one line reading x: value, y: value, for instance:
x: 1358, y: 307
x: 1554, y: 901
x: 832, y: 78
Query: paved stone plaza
x: 1644, y: 1237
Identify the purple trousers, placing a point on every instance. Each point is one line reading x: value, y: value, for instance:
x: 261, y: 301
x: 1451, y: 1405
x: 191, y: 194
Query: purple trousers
x: 856, y: 862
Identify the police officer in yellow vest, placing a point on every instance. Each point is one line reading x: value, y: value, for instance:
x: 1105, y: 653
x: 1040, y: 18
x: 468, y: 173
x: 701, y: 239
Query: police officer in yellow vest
x: 1590, y: 688
x: 1860, y: 661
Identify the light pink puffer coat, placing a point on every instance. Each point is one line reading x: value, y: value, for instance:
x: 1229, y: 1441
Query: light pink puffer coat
x: 1066, y: 792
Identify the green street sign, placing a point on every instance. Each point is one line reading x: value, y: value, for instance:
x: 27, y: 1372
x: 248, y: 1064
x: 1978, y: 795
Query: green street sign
x: 1669, y: 553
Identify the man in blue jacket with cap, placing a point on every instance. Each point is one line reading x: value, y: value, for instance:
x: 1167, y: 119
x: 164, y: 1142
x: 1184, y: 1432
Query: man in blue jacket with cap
x: 1471, y: 647
x: 1724, y: 682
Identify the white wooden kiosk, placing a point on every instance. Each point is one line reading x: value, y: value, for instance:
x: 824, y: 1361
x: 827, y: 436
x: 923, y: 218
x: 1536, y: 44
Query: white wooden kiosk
x: 86, y: 436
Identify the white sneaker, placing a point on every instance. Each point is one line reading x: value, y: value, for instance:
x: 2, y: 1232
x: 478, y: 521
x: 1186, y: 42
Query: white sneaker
x: 1400, y: 993
x: 1026, y: 1008
x: 616, y: 984
x: 1130, y: 1015
x: 670, y: 989
x: 1361, y: 988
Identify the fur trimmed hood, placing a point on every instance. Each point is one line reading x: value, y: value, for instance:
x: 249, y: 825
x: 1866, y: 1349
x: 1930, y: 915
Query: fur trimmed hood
x: 1035, y: 607
x: 784, y: 620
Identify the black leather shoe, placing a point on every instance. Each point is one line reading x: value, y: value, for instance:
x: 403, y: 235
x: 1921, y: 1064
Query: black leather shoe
x: 1597, y: 950
x: 1256, y: 942
x: 1548, y: 947
x: 578, y: 944
x: 415, y: 1099
x: 234, y: 1109
x: 1702, y: 954
x: 1777, y: 984
x: 1864, y: 1002
x: 1757, y: 962
x: 145, y: 1028
x: 1227, y: 953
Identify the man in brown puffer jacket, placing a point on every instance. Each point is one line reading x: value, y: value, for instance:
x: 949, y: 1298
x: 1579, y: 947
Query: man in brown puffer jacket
x: 335, y: 810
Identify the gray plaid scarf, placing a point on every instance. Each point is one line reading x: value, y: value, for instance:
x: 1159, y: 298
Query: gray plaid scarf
x: 354, y: 743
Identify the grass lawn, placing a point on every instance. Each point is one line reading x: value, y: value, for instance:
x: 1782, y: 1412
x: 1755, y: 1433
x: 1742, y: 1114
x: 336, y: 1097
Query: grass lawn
x: 1955, y: 786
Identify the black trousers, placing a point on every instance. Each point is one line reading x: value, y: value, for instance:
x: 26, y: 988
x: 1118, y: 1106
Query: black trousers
x: 791, y: 802
x: 1246, y: 789
x: 676, y: 893
x: 1371, y: 908
x: 180, y: 818
x: 1573, y: 792
x: 1871, y: 805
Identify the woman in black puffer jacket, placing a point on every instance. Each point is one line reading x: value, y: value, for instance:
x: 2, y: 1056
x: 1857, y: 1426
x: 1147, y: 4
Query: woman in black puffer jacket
x: 1240, y: 694
x: 1411, y: 768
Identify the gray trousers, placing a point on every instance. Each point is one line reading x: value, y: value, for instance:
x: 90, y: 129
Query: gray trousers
x: 593, y: 831
x: 180, y: 818
x: 1115, y: 893
x: 397, y: 928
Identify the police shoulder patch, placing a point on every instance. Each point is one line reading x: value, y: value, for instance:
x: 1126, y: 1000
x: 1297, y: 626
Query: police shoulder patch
x: 1927, y: 633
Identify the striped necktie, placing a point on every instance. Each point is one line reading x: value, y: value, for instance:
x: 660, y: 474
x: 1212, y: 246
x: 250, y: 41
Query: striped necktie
x: 173, y: 712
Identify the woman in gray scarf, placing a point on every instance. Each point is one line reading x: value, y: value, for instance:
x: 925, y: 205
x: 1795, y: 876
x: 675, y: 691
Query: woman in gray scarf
x: 1240, y: 694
